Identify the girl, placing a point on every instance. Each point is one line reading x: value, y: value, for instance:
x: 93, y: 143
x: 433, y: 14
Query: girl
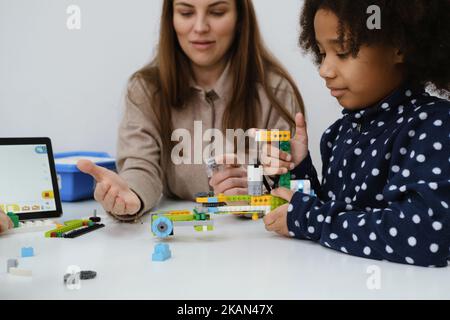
x: 211, y: 66
x: 385, y: 191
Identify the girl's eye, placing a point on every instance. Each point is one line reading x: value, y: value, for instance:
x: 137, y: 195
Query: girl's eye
x: 343, y: 55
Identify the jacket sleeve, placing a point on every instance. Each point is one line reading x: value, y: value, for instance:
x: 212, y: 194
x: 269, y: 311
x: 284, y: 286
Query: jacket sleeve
x: 139, y: 149
x: 414, y: 228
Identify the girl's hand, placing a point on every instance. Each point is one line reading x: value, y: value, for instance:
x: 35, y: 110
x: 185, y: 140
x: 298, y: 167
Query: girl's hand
x: 276, y: 221
x: 277, y: 162
x: 5, y: 222
x: 232, y: 179
x: 111, y: 191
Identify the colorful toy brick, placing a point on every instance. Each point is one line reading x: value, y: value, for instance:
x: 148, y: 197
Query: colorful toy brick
x: 68, y: 226
x: 14, y: 218
x: 27, y: 252
x: 32, y: 226
x: 162, y: 252
x: 11, y: 263
x: 272, y: 135
x: 20, y: 272
x: 163, y: 222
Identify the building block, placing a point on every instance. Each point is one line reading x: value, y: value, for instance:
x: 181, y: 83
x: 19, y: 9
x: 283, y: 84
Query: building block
x: 238, y: 198
x: 14, y: 218
x: 68, y: 226
x: 261, y: 200
x: 285, y: 146
x: 83, y: 275
x: 162, y: 227
x: 20, y: 272
x: 11, y: 263
x: 277, y: 202
x: 272, y: 135
x: 33, y: 226
x: 27, y: 252
x: 303, y: 186
x: 162, y: 252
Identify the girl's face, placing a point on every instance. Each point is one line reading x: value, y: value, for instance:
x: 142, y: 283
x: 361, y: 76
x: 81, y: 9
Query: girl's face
x: 205, y: 29
x: 356, y: 82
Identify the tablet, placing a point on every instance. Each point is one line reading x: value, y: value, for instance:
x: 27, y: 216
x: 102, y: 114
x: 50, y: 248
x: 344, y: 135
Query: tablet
x: 28, y: 181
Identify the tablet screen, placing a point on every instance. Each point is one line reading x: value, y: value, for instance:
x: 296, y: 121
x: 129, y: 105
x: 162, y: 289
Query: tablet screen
x: 27, y: 183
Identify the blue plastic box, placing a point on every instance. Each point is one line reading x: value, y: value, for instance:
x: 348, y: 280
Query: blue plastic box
x: 75, y: 185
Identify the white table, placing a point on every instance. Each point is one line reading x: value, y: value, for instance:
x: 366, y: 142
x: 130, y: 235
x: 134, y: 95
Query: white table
x: 238, y: 260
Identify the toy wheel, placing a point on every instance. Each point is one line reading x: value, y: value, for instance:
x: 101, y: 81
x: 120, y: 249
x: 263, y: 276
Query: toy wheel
x: 162, y: 227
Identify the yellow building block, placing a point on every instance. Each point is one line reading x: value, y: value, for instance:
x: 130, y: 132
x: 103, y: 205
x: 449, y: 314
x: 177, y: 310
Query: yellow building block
x: 179, y: 212
x: 261, y: 200
x: 269, y: 136
x: 219, y: 198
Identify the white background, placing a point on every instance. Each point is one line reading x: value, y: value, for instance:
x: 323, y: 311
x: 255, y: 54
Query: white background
x: 69, y: 85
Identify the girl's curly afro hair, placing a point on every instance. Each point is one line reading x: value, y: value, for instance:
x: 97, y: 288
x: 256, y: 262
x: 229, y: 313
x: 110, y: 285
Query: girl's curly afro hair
x: 419, y: 28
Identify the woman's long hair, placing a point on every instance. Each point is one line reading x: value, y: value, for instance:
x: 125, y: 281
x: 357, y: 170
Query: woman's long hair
x: 166, y: 78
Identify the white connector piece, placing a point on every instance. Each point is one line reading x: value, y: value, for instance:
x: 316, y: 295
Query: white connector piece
x: 33, y: 226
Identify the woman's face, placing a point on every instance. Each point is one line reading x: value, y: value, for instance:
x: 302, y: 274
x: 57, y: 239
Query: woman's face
x: 356, y: 82
x: 205, y: 29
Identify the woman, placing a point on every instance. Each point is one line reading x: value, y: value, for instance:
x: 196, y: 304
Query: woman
x: 211, y: 66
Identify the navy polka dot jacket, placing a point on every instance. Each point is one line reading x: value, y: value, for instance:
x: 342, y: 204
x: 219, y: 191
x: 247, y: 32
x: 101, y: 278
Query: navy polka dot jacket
x: 385, y: 192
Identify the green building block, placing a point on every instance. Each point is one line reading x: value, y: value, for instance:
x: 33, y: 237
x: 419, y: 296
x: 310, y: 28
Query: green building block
x: 69, y: 226
x: 14, y: 218
x: 238, y: 198
x: 285, y: 146
x: 285, y: 181
x: 277, y: 202
x: 174, y: 217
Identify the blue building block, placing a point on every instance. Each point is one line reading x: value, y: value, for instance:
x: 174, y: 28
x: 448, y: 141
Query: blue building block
x: 27, y: 252
x: 162, y: 252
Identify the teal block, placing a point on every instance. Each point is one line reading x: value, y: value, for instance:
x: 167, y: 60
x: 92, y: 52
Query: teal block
x: 162, y: 252
x: 27, y: 252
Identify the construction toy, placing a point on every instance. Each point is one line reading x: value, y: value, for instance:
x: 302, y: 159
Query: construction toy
x: 82, y: 226
x: 27, y: 252
x: 211, y: 166
x: 20, y: 272
x: 283, y: 138
x: 83, y: 275
x: 162, y: 252
x: 79, y: 232
x: 256, y: 203
x: 163, y: 222
x: 95, y: 218
x: 68, y: 226
x: 11, y: 263
x: 32, y: 226
x: 14, y: 218
x: 87, y: 275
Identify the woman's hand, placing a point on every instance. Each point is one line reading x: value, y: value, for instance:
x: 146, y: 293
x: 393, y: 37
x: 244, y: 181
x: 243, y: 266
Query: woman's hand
x: 231, y: 179
x: 277, y: 162
x: 5, y: 222
x: 111, y: 191
x: 276, y: 221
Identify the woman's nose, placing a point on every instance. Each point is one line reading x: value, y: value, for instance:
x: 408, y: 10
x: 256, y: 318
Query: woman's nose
x: 201, y: 24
